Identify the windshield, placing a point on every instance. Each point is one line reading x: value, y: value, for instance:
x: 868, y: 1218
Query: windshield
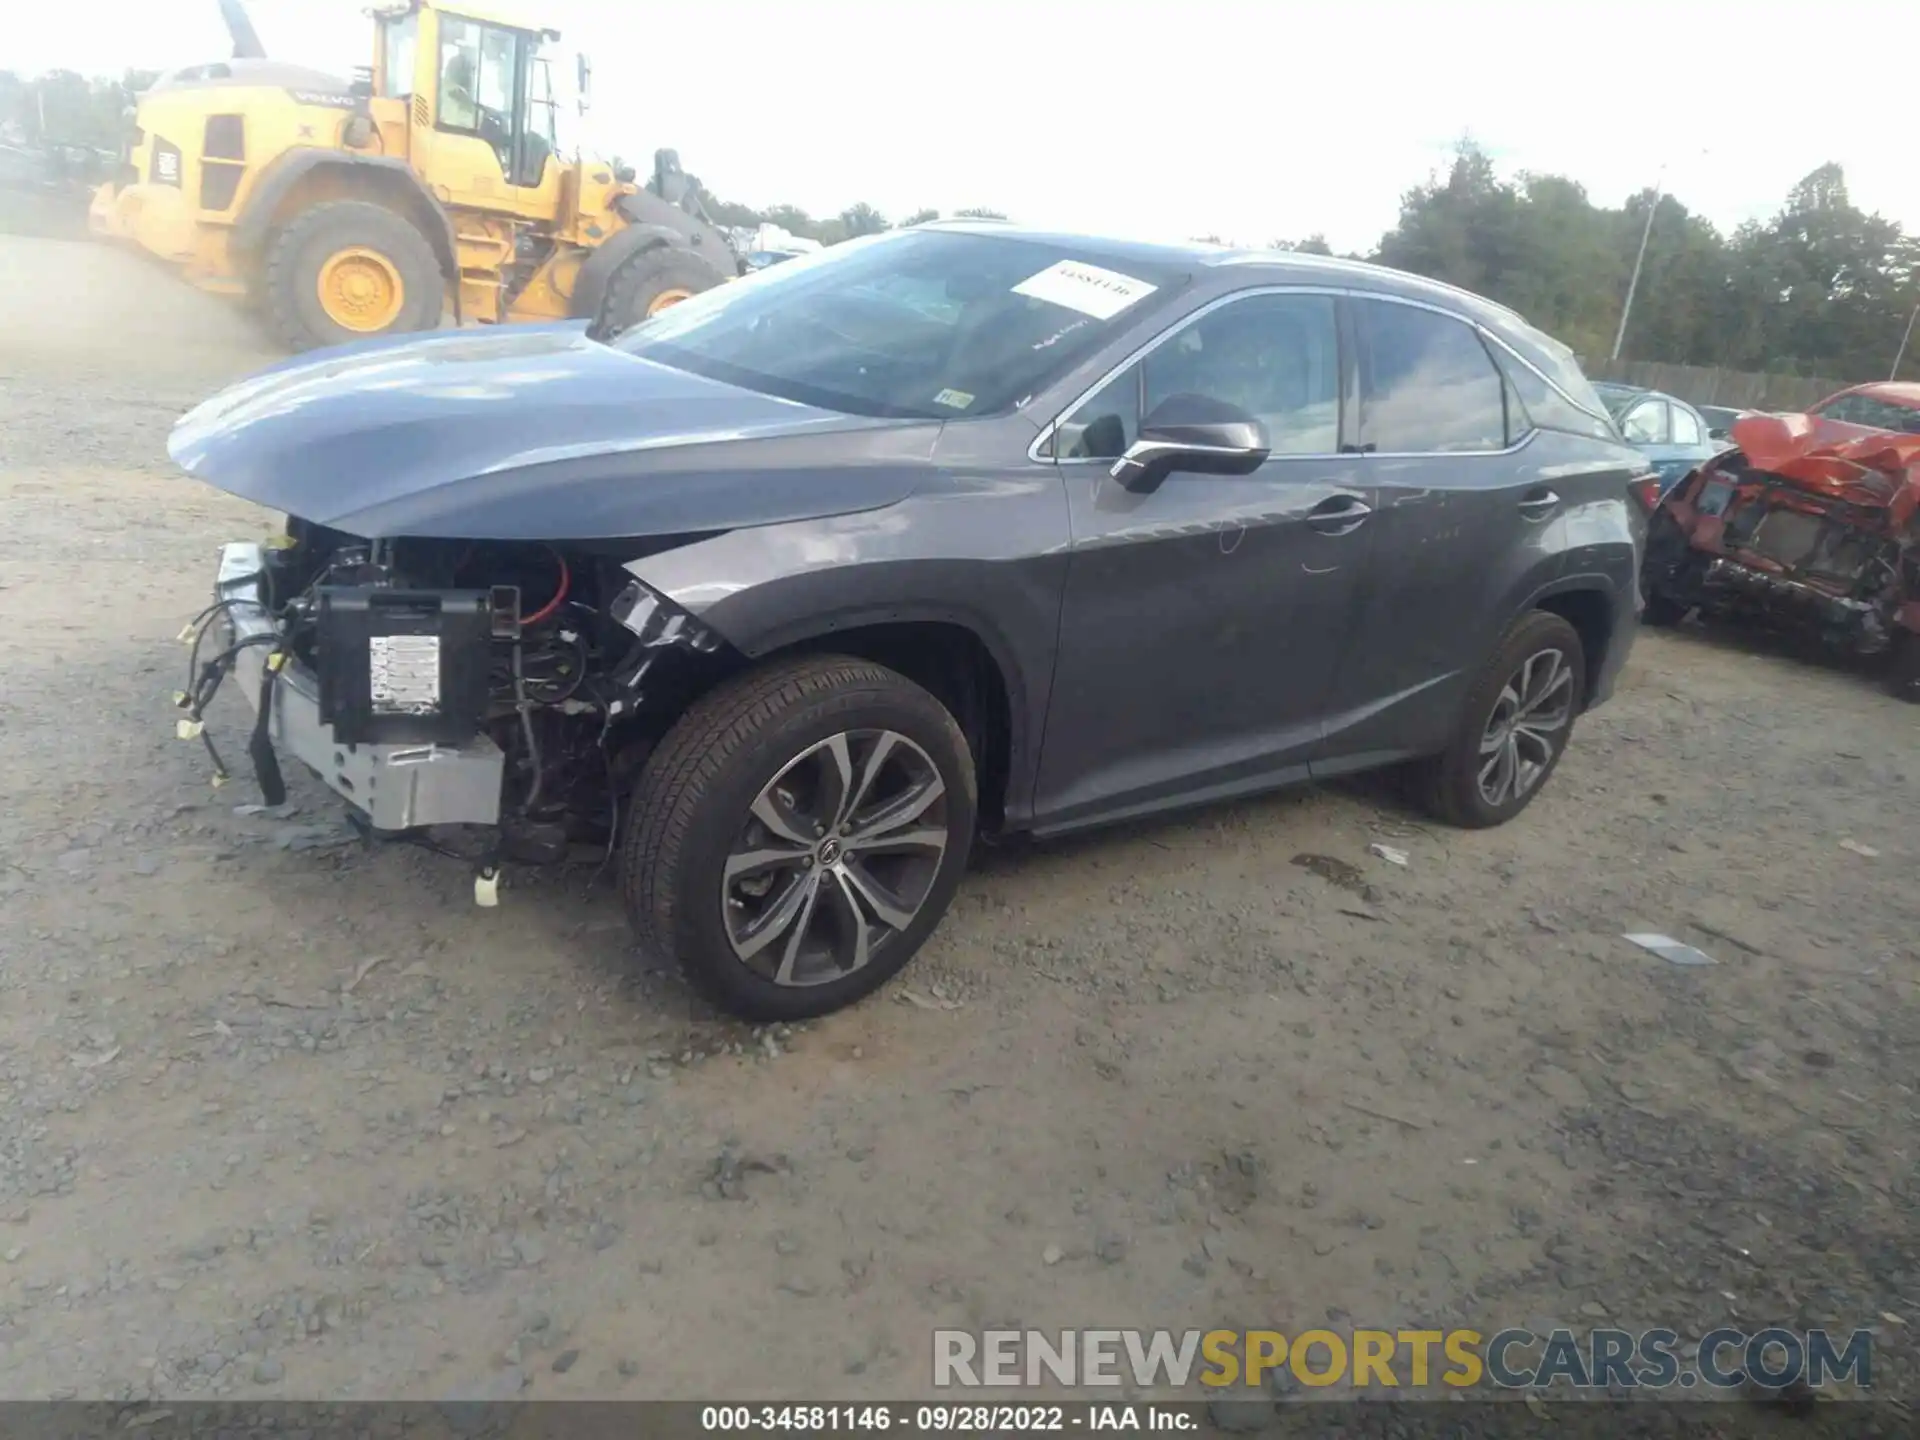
x: 1870, y: 410
x: 923, y: 323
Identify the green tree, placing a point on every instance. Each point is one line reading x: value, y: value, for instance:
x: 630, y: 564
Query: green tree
x: 920, y: 217
x: 862, y: 219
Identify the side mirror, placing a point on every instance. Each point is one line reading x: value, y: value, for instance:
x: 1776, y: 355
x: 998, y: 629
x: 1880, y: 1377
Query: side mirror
x: 1192, y: 432
x: 1719, y: 434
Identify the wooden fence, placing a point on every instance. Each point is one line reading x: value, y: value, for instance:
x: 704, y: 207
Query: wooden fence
x: 1707, y: 385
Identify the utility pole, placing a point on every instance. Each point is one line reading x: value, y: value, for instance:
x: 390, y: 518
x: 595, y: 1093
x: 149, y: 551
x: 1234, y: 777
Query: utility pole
x: 1620, y: 335
x: 1901, y: 353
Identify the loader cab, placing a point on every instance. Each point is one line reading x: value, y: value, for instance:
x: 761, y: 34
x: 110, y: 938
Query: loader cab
x: 479, y: 101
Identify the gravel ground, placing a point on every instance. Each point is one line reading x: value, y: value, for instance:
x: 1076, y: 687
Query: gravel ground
x: 287, y: 1117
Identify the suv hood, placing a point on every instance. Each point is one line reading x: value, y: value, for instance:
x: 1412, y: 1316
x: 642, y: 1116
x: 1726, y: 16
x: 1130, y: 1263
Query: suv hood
x: 534, y: 433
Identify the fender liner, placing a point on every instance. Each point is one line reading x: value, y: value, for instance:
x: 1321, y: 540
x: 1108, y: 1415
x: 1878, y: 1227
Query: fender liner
x: 1622, y: 624
x: 651, y: 222
x: 277, y: 181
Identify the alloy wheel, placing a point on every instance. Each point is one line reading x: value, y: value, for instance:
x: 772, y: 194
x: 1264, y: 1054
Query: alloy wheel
x: 838, y: 853
x: 1527, y: 727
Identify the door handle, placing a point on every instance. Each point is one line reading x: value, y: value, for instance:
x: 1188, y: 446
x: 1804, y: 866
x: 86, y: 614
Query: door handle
x: 1339, y: 514
x: 1538, y: 504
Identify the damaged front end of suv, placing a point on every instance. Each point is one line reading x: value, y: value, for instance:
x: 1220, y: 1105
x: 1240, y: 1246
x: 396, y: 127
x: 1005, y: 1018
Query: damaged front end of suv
x: 431, y: 682
x: 1808, y: 524
x: 512, y: 567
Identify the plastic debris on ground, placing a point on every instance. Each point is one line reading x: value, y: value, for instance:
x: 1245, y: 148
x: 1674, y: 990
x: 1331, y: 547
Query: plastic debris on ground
x: 1389, y: 853
x: 1857, y: 848
x: 1674, y: 952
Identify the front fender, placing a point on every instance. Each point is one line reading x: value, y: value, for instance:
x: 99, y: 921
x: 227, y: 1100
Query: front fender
x: 279, y: 178
x: 963, y: 556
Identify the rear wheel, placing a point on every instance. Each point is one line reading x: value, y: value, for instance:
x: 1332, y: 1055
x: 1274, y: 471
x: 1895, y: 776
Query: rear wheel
x: 1514, y: 728
x: 1668, y: 561
x: 798, y: 834
x: 350, y: 270
x: 1903, y: 667
x: 1661, y: 610
x: 650, y: 282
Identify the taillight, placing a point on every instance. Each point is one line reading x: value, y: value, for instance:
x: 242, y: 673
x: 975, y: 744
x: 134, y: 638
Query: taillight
x: 1647, y: 491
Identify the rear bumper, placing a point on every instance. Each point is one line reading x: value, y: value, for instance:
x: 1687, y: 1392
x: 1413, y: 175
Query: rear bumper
x: 397, y: 787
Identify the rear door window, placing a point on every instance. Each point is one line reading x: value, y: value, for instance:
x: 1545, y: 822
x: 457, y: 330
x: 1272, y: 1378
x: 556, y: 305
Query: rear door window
x: 1427, y: 383
x: 1686, y: 429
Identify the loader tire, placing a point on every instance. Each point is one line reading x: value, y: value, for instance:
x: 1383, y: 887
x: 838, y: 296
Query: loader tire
x: 349, y: 271
x: 648, y: 283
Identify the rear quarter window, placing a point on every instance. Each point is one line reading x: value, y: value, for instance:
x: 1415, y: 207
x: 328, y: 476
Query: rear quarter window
x: 1545, y: 406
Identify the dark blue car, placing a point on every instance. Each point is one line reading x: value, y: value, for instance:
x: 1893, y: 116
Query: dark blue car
x: 1673, y: 435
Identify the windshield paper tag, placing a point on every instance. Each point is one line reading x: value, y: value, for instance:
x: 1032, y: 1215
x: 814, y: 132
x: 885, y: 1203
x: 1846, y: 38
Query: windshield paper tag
x: 1089, y: 289
x: 953, y: 399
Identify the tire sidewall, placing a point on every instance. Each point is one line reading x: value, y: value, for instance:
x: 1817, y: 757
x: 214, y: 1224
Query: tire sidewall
x: 1536, y: 632
x: 321, y: 233
x: 699, y: 930
x: 643, y: 278
x: 1661, y: 611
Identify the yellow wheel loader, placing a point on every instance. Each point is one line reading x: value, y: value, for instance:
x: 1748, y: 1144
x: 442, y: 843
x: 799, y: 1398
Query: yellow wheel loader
x: 431, y: 183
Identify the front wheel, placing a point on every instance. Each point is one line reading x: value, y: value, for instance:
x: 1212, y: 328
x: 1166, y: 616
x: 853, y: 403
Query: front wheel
x: 798, y: 834
x: 1513, y: 729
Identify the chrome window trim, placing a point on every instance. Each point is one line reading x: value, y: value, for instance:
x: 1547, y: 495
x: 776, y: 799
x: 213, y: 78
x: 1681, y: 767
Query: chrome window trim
x: 1045, y: 437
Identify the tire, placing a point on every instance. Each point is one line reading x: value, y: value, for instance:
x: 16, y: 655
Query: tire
x: 375, y: 258
x: 1668, y: 561
x: 643, y: 282
x: 1450, y: 784
x: 1903, y: 667
x: 1662, y: 611
x: 692, y: 810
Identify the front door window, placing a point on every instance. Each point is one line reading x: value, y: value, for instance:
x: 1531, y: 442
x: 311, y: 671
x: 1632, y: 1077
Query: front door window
x: 484, y: 91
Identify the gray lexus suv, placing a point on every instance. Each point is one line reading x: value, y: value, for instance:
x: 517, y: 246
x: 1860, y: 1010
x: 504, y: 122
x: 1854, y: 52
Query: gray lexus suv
x: 782, y: 598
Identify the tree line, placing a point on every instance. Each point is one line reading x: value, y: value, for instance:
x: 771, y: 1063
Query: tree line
x: 63, y: 107
x: 1820, y: 288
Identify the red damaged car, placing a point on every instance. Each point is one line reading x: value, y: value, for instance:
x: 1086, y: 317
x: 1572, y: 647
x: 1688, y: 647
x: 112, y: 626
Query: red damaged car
x: 1810, y: 521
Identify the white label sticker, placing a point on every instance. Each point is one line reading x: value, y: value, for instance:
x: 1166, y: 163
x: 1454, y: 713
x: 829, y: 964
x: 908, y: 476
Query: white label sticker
x: 953, y: 399
x: 1089, y: 289
x: 404, y: 671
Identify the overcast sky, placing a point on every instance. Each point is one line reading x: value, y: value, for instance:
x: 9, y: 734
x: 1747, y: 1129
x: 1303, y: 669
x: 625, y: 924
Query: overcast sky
x: 1167, y: 118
